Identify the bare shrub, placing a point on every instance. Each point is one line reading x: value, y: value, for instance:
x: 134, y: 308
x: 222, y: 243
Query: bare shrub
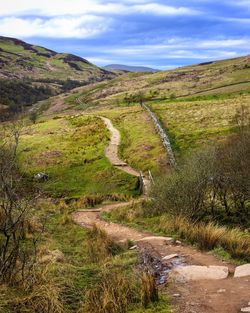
x: 18, y: 230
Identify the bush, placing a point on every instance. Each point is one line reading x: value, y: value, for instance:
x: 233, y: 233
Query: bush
x: 212, y: 185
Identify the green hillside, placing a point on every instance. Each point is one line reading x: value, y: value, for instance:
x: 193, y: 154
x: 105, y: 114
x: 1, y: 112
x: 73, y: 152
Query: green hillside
x: 211, y: 78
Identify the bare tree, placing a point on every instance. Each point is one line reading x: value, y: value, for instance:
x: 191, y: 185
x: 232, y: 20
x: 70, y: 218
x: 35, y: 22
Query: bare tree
x: 17, y: 250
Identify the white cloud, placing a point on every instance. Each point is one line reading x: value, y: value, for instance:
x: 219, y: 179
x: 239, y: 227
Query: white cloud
x: 58, y: 27
x: 184, y: 47
x: 160, y: 9
x: 240, y: 20
x: 225, y: 43
x: 245, y: 3
x: 80, y: 7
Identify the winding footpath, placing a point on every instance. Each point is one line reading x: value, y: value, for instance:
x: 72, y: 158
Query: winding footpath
x: 206, y: 290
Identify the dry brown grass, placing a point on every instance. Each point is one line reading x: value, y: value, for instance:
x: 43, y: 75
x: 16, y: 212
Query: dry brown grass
x: 209, y: 236
x: 113, y: 294
x: 100, y: 246
x: 149, y: 291
x: 93, y: 200
x: 44, y: 299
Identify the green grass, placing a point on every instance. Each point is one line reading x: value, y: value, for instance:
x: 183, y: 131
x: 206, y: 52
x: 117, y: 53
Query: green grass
x: 71, y: 151
x: 191, y: 124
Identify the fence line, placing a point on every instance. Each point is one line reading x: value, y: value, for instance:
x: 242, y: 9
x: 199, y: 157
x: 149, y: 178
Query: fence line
x: 163, y: 135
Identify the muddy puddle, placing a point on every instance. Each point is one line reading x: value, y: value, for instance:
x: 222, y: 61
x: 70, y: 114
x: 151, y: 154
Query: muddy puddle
x: 159, y: 268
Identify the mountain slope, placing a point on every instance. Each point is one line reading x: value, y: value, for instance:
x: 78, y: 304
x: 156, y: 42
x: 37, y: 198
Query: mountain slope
x: 127, y: 68
x: 231, y: 75
x: 21, y: 60
x: 40, y: 72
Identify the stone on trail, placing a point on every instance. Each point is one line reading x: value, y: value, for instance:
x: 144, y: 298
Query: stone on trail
x: 245, y: 309
x: 166, y: 240
x: 169, y: 257
x: 184, y: 274
x: 133, y: 247
x: 242, y: 270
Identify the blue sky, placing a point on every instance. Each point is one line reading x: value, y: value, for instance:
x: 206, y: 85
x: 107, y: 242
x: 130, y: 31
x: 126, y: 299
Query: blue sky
x: 156, y: 33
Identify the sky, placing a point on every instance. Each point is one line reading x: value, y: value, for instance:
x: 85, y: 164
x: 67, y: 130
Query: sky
x: 161, y: 34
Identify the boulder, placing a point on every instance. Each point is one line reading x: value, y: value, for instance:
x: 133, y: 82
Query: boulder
x: 184, y: 274
x: 242, y: 270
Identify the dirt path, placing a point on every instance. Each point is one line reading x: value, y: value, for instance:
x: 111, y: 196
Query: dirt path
x: 111, y: 151
x: 203, y: 296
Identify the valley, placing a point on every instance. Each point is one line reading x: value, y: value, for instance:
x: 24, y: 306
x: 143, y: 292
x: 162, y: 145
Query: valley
x: 98, y: 237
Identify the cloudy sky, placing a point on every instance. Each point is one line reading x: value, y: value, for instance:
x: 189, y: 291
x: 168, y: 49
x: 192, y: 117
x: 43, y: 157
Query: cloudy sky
x: 158, y: 33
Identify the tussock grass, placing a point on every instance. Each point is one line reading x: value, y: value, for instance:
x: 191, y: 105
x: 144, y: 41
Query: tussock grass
x: 44, y: 299
x: 209, y: 236
x: 95, y: 199
x: 117, y: 292
x: 206, y: 236
x: 100, y: 246
x: 114, y: 294
x: 149, y: 291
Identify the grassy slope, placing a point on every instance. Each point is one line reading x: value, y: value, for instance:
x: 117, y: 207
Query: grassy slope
x: 231, y: 75
x: 71, y: 151
x: 192, y: 124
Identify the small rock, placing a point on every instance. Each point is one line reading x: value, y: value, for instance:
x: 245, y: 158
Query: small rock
x: 242, y: 270
x: 165, y: 240
x: 133, y: 248
x: 221, y: 290
x: 169, y: 257
x: 178, y: 242
x: 41, y: 177
x: 176, y: 295
x: 245, y: 309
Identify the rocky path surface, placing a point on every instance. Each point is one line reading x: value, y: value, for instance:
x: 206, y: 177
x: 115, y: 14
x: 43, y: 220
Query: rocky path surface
x: 191, y: 294
x: 197, y: 282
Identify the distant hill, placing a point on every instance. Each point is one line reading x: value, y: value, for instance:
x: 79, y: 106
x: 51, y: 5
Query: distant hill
x: 35, y: 73
x: 127, y: 68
